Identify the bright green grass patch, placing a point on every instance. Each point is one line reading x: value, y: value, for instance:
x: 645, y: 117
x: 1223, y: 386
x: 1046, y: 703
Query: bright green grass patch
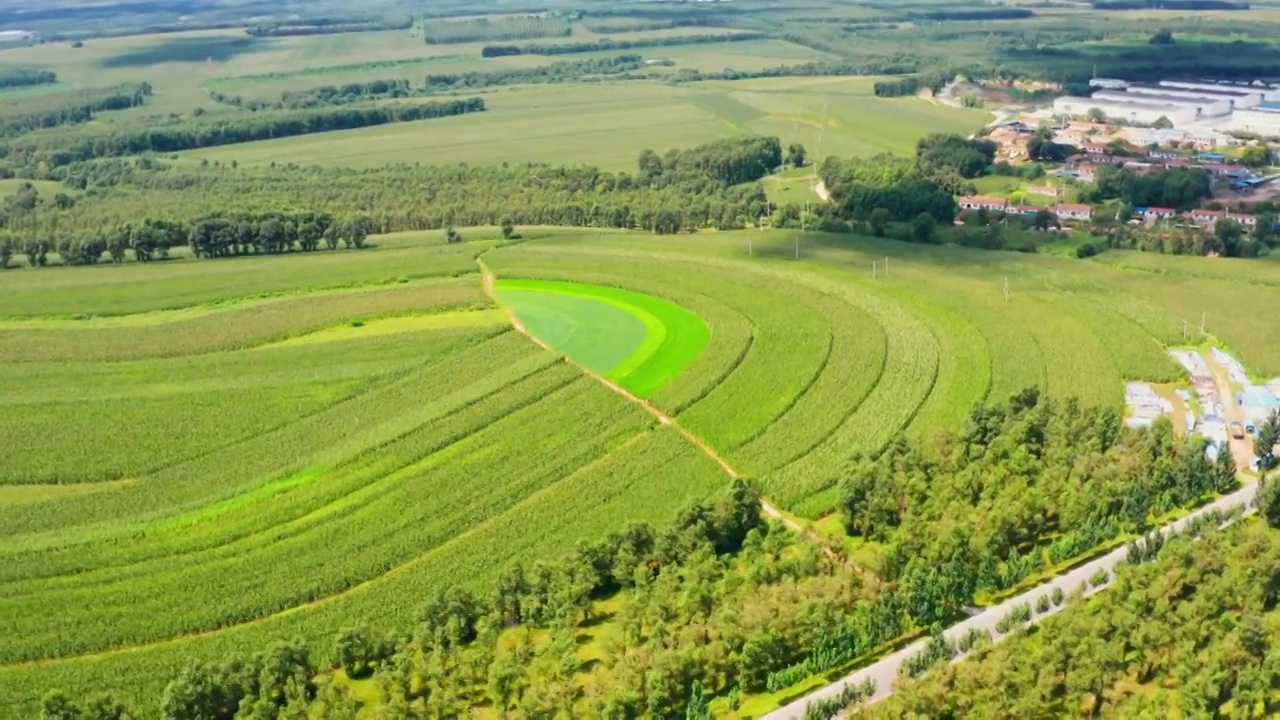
x: 637, y: 340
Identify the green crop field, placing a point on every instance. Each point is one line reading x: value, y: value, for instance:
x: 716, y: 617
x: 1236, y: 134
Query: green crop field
x: 608, y: 124
x: 247, y: 454
x: 255, y: 385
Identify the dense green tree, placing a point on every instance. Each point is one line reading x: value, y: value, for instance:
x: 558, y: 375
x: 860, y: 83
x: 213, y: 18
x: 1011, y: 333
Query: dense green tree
x: 1266, y: 442
x: 922, y: 228
x: 796, y: 155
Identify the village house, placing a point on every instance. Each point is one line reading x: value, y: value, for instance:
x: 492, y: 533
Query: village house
x: 1156, y: 214
x: 1204, y: 218
x: 1079, y: 213
x: 979, y: 202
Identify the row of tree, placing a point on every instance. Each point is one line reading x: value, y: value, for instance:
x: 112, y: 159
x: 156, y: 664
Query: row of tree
x: 326, y: 95
x: 68, y: 147
x: 483, y: 29
x: 605, y: 45
x: 12, y: 77
x: 327, y: 26
x: 207, y: 237
x: 1192, y: 634
x: 683, y: 190
x: 1177, y: 188
x: 1026, y: 484
x: 21, y: 115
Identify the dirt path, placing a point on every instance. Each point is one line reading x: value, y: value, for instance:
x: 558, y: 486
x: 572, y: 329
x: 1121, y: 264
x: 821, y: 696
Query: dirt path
x: 662, y: 417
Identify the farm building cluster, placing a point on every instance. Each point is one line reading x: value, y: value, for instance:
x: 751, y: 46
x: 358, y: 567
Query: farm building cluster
x: 1252, y: 108
x: 1257, y: 401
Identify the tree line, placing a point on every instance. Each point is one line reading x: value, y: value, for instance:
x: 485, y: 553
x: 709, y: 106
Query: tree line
x: 326, y: 26
x: 1169, y: 5
x: 395, y: 88
x: 721, y: 602
x: 24, y: 77
x: 958, y: 506
x: 933, y: 80
x: 68, y: 147
x: 36, y: 112
x: 1177, y: 188
x: 967, y: 14
x: 1190, y: 632
x: 685, y: 190
x: 894, y: 65
x: 524, y: 27
x: 607, y: 44
x: 208, y: 237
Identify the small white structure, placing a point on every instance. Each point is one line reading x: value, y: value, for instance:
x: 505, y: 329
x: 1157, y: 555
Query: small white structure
x: 1109, y: 83
x: 1144, y: 405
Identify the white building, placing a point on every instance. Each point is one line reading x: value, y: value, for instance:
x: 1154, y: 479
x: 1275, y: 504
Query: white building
x: 1127, y: 111
x: 1204, y: 107
x: 1109, y: 83
x: 1265, y: 92
x: 1228, y: 101
x: 1262, y: 120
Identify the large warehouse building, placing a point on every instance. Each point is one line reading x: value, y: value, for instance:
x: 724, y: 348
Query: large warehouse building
x: 1126, y: 111
x: 1182, y: 103
x: 1260, y: 93
x: 1263, y: 120
x: 1201, y: 106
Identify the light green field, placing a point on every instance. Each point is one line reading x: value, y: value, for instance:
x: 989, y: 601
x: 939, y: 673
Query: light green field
x: 221, y: 489
x: 181, y: 65
x: 638, y: 341
x: 608, y: 124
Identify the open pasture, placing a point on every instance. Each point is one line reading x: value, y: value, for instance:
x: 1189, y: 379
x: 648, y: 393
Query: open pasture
x: 609, y: 123
x: 269, y: 459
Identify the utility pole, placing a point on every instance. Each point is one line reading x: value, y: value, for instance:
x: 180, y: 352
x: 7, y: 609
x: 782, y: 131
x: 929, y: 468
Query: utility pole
x: 1006, y: 288
x: 1184, y: 329
x: 873, y: 269
x: 797, y: 248
x: 886, y: 266
x: 1203, y: 317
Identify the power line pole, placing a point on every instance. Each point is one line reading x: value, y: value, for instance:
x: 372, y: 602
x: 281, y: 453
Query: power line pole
x: 873, y: 269
x: 1006, y: 288
x: 1203, y: 317
x: 886, y: 266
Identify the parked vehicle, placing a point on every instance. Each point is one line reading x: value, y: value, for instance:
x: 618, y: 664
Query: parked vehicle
x: 1237, y: 430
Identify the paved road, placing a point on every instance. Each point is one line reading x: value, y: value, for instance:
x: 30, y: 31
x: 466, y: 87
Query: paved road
x: 885, y: 671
